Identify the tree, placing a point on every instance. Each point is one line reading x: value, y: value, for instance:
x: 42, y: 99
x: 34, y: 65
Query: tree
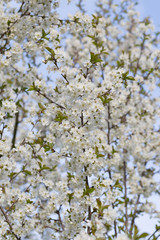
x: 79, y: 148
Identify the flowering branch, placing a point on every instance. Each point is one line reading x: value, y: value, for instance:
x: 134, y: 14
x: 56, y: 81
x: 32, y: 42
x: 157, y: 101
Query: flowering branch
x: 50, y: 100
x: 9, y: 223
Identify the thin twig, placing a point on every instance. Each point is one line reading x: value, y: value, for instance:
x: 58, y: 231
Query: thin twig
x: 9, y: 223
x: 50, y: 100
x: 59, y: 216
x: 89, y: 207
x: 57, y: 230
x: 109, y: 156
x: 13, y: 23
x: 134, y: 214
x: 125, y: 195
x: 56, y: 64
x: 153, y: 234
x: 81, y: 117
x: 1, y: 132
x: 15, y: 129
x: 10, y: 208
x: 86, y: 180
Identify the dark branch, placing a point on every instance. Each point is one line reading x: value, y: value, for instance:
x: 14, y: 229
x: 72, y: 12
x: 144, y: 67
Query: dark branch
x: 9, y: 223
x: 50, y: 100
x: 15, y: 130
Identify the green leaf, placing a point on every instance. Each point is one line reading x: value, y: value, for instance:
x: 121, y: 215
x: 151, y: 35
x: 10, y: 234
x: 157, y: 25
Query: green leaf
x: 120, y: 64
x: 53, y: 168
x: 27, y: 172
x: 94, y: 58
x: 121, y: 219
x: 44, y: 167
x: 124, y: 75
x: 40, y: 164
x: 76, y: 20
x: 70, y: 197
x: 113, y: 150
x: 88, y: 191
x: 100, y: 238
x: 157, y: 227
x: 118, y: 185
x: 57, y: 39
x: 143, y: 235
x: 41, y: 106
x: 44, y: 34
x: 135, y: 232
x: 97, y: 153
x: 105, y: 207
x: 51, y: 51
x: 60, y: 117
x: 39, y: 140
x: 56, y: 89
x: 3, y: 86
x: 99, y: 203
x: 12, y: 174
x: 32, y: 88
x: 147, y: 21
x: 8, y: 116
x: 100, y: 155
x: 40, y: 158
x: 105, y: 100
x: 69, y: 176
x: 18, y: 103
x: 9, y: 22
x: 130, y: 78
x: 15, y: 90
x: 92, y: 37
x: 96, y: 150
x: 28, y: 201
x: 98, y: 44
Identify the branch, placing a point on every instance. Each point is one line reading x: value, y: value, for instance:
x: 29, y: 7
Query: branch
x: 10, y: 208
x: 56, y: 64
x: 109, y: 156
x: 59, y: 216
x: 1, y: 132
x: 57, y: 230
x: 125, y: 195
x: 81, y: 117
x: 13, y: 23
x: 9, y: 223
x: 15, y: 130
x: 154, y: 234
x: 81, y: 7
x: 86, y: 180
x: 20, y: 9
x: 50, y: 100
x: 134, y: 215
x: 89, y: 207
x: 108, y: 135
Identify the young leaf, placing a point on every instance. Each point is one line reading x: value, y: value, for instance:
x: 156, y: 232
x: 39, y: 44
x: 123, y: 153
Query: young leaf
x: 94, y: 58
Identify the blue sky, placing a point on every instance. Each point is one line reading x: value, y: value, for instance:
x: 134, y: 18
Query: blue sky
x: 146, y: 8
x: 150, y: 8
